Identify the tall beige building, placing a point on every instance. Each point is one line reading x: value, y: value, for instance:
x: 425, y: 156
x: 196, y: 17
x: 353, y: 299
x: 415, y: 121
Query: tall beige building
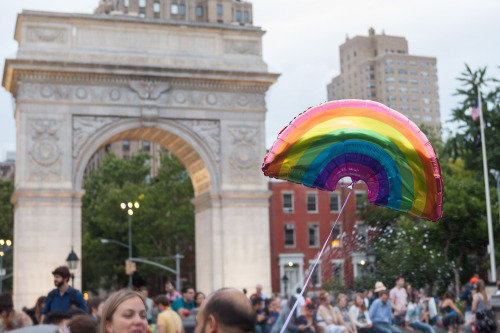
x: 379, y: 68
x: 213, y: 11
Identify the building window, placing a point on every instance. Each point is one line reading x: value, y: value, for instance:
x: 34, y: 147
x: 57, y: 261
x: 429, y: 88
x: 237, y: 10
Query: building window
x: 360, y: 200
x: 156, y: 7
x: 402, y: 71
x: 338, y: 269
x: 238, y: 15
x: 413, y: 81
x: 426, y: 100
x: 142, y: 3
x: 390, y: 88
x: 402, y: 62
x: 413, y: 72
x: 142, y: 15
x: 427, y: 118
x: 174, y: 9
x: 403, y: 89
x: 334, y: 202
x: 182, y: 10
x: 361, y: 234
x: 424, y: 64
x: 125, y: 3
x: 246, y: 16
x: 199, y: 11
x: 416, y: 117
x: 405, y: 108
x: 403, y: 80
x: 146, y: 146
x: 126, y: 145
x: 219, y: 10
x: 312, y: 204
x: 424, y: 73
x: 313, y: 235
x: 425, y: 82
x: 391, y: 98
x: 287, y: 202
x: 337, y: 236
x: 413, y: 63
x: 389, y: 61
x: 316, y: 274
x: 389, y: 70
x: 404, y: 98
x: 289, y: 235
x: 389, y: 79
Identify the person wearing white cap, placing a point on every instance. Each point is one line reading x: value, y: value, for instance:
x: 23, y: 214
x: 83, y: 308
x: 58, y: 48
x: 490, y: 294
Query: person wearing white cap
x: 381, y: 311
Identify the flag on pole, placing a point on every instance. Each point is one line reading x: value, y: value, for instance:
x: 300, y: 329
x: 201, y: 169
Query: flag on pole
x: 475, y: 111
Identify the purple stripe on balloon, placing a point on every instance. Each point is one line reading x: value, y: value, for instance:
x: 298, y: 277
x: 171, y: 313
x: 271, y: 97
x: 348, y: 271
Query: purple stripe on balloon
x: 368, y: 170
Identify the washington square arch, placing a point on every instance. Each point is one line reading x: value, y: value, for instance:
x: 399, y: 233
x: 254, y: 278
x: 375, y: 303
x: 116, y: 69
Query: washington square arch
x: 81, y: 81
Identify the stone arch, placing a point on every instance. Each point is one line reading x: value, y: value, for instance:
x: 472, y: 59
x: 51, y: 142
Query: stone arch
x: 182, y: 142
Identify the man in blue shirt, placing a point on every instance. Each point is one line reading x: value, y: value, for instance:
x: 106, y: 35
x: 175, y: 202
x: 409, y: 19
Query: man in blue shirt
x: 381, y: 312
x: 64, y: 297
x: 184, y: 304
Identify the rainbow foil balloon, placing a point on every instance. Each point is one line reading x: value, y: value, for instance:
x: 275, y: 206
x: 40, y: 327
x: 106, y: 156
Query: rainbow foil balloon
x: 366, y: 141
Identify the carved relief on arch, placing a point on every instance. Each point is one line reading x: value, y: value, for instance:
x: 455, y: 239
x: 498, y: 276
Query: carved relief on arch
x: 243, y: 159
x: 86, y: 126
x: 208, y: 131
x: 44, y: 161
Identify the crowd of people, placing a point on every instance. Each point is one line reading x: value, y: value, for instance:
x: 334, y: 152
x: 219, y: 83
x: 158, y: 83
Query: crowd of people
x: 377, y: 310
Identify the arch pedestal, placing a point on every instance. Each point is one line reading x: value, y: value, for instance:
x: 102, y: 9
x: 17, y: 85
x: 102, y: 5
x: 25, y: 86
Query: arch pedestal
x: 205, y: 103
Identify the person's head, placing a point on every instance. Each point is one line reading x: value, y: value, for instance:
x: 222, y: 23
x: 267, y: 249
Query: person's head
x: 363, y: 291
x: 82, y: 324
x: 384, y: 296
x: 414, y: 297
x: 162, y: 302
x: 225, y: 310
x: 144, y: 291
x: 360, y: 302
x: 258, y: 303
x: 61, y: 276
x: 449, y: 294
x: 6, y: 304
x: 480, y: 287
x: 95, y: 306
x: 400, y: 281
x: 342, y: 300
x: 324, y: 297
x: 76, y: 312
x: 310, y: 309
x: 199, y: 297
x: 258, y: 289
x: 408, y: 288
x: 379, y: 287
x: 188, y: 294
x: 40, y: 302
x: 59, y: 318
x: 169, y: 286
x: 124, y: 311
x: 270, y: 305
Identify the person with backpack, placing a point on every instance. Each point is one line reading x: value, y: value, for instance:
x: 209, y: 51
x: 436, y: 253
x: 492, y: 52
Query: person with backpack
x: 64, y: 297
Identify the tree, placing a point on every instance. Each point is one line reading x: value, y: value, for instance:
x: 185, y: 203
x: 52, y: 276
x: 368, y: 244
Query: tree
x: 162, y: 226
x: 6, y: 223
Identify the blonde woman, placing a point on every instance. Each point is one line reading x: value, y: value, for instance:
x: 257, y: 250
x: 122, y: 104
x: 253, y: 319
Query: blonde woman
x: 359, y: 313
x: 327, y: 318
x: 124, y: 311
x: 343, y: 316
x: 480, y: 299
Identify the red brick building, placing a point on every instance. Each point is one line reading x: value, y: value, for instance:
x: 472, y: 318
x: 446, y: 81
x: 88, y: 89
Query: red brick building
x: 301, y: 219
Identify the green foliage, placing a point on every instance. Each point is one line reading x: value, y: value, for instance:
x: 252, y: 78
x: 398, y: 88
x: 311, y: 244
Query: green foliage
x: 161, y: 227
x: 6, y: 225
x: 335, y: 285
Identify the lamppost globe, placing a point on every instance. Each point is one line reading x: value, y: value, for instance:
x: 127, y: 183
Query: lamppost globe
x: 123, y: 205
x: 136, y: 204
x: 130, y: 212
x: 2, y: 242
x: 8, y: 242
x: 129, y: 205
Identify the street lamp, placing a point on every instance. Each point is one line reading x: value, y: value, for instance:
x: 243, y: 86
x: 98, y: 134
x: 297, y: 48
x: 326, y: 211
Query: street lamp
x: 129, y: 207
x: 371, y: 256
x: 5, y: 245
x: 72, y: 261
x: 285, y: 283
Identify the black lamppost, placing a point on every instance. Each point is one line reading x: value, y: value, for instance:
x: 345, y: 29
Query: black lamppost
x: 72, y: 261
x: 130, y: 207
x: 371, y: 257
x: 285, y: 284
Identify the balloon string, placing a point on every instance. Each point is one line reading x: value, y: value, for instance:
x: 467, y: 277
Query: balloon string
x: 317, y: 260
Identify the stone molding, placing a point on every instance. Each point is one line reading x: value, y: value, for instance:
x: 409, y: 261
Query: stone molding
x: 44, y: 150
x: 47, y: 34
x: 142, y: 94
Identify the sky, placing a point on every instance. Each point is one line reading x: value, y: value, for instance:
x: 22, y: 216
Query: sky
x: 302, y: 40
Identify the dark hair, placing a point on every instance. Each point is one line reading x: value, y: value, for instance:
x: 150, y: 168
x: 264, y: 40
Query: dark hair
x: 267, y: 302
x: 449, y: 294
x: 77, y: 312
x: 54, y: 318
x: 62, y: 271
x: 162, y: 299
x: 382, y: 292
x: 299, y: 290
x: 256, y: 300
x: 6, y: 303
x: 185, y: 289
x: 94, y: 303
x: 82, y: 324
x: 229, y: 311
x: 399, y: 277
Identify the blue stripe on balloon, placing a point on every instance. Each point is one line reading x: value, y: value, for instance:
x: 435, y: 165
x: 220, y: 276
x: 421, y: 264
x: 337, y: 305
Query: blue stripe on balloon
x: 343, y: 150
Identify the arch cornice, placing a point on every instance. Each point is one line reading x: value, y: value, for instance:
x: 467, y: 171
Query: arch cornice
x: 194, y: 152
